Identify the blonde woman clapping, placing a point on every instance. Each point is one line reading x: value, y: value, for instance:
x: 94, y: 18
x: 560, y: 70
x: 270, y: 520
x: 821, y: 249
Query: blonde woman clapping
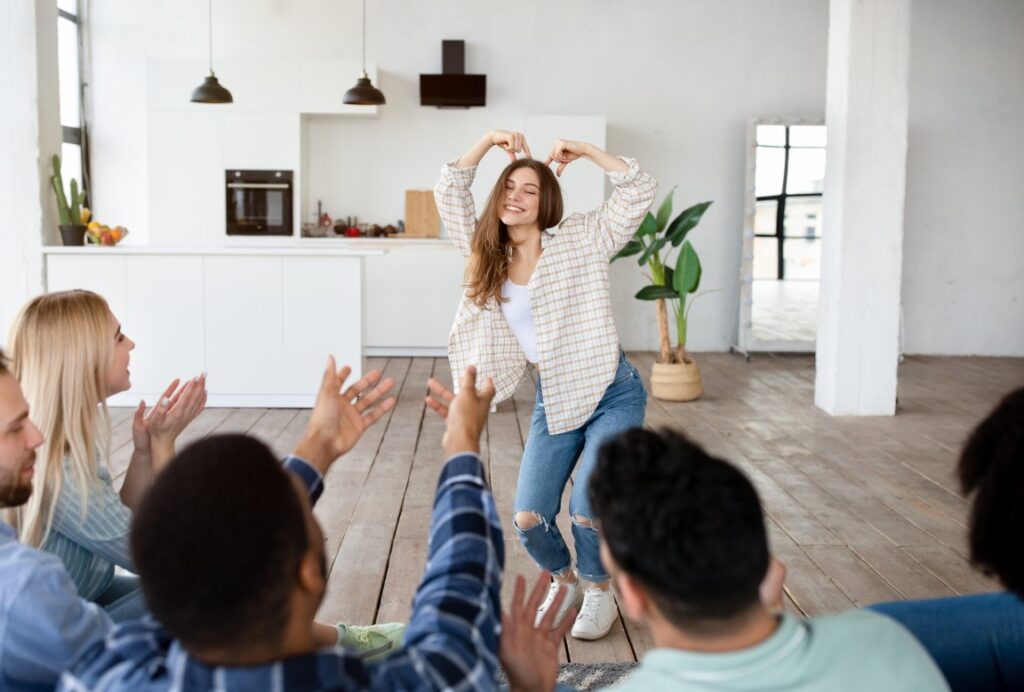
x: 70, y: 355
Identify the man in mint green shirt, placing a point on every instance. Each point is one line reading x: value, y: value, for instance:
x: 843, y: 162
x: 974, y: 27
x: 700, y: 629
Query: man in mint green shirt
x: 684, y: 539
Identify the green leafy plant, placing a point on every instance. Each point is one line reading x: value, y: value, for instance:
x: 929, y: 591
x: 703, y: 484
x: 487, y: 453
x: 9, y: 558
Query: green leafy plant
x: 70, y: 212
x: 672, y: 280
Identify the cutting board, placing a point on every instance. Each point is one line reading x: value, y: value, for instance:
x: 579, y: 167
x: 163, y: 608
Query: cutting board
x: 421, y: 217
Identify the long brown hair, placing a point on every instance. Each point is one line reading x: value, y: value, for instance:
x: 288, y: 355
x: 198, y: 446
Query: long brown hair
x: 488, y: 263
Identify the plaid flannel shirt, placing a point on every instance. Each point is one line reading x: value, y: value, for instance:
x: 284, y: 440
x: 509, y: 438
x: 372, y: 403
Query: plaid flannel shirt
x: 451, y: 642
x: 570, y: 299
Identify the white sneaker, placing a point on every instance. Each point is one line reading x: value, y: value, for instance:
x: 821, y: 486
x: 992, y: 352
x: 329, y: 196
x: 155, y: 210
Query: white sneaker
x: 572, y: 598
x: 597, y: 615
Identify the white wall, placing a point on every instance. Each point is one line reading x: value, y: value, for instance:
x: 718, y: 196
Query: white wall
x: 963, y: 277
x: 676, y: 81
x: 29, y: 137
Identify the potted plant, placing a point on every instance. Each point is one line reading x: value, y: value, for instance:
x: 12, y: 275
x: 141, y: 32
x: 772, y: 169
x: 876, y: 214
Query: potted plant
x: 675, y: 376
x: 73, y: 216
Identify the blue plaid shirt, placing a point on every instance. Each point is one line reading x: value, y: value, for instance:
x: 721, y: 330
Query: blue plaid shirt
x: 451, y: 642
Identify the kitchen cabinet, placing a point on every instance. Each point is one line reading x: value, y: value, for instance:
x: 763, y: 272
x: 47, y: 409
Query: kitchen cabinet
x: 260, y: 322
x: 412, y: 293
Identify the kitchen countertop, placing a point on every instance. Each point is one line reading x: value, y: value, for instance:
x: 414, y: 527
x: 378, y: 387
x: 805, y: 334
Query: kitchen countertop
x: 266, y: 246
x: 272, y: 251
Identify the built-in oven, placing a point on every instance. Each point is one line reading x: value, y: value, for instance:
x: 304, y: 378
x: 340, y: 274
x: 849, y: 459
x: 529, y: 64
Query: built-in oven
x: 259, y: 202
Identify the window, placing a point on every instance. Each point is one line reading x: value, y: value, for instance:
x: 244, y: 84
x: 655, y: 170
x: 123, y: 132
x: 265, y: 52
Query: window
x: 74, y: 150
x: 789, y: 176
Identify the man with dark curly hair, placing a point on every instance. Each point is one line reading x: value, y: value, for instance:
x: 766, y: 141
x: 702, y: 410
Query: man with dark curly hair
x: 978, y: 640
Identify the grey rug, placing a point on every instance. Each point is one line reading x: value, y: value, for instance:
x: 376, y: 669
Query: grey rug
x: 593, y: 676
x: 589, y: 676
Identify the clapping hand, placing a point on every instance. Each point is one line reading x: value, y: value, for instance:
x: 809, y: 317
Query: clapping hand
x: 529, y: 650
x: 466, y: 413
x: 339, y: 418
x: 155, y: 432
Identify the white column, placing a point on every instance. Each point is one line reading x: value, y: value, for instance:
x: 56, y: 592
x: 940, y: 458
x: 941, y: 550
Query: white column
x: 866, y: 115
x: 29, y: 136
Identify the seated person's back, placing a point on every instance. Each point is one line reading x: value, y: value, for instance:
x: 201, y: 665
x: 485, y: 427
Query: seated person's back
x: 684, y: 537
x: 232, y: 565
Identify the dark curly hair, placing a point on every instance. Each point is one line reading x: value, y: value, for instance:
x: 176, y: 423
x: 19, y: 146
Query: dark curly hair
x: 217, y: 543
x: 684, y: 524
x: 992, y: 469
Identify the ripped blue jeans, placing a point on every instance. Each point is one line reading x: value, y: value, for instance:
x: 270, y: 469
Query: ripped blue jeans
x: 548, y: 462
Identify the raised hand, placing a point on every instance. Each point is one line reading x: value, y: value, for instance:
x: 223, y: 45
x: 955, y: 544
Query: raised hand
x: 141, y: 421
x: 465, y: 413
x: 529, y: 650
x: 565, y: 152
x: 444, y: 398
x: 178, y: 406
x: 512, y: 142
x: 339, y: 418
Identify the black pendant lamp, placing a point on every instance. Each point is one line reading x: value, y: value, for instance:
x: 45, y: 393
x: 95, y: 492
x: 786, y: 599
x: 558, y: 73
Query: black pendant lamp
x: 364, y: 93
x: 210, y: 91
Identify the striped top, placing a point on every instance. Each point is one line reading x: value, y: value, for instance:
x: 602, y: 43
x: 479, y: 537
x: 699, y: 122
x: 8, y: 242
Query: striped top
x: 570, y: 299
x: 92, y: 546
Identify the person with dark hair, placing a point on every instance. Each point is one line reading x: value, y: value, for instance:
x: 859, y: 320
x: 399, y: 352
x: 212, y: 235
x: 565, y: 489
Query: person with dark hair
x: 253, y: 548
x: 684, y: 538
x: 44, y: 626
x: 237, y: 604
x: 537, y: 292
x: 991, y: 657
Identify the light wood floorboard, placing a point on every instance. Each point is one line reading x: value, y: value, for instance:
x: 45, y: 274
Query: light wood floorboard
x: 860, y: 509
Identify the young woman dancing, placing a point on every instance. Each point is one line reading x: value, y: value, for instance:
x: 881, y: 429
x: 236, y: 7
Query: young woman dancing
x: 537, y: 292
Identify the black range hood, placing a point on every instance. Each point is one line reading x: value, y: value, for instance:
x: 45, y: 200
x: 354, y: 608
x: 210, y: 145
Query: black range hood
x: 453, y: 88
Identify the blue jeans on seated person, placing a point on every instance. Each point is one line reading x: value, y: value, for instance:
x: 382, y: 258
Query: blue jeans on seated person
x: 977, y: 641
x: 123, y: 599
x: 549, y: 460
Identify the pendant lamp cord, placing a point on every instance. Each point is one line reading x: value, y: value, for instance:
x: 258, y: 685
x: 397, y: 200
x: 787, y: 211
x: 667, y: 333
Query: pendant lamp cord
x: 364, y: 36
x: 209, y: 7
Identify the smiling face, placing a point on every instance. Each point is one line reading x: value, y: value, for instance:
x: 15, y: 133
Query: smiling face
x: 522, y: 198
x: 119, y: 377
x: 19, y: 438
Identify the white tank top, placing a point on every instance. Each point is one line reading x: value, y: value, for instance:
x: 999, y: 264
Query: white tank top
x: 519, y: 317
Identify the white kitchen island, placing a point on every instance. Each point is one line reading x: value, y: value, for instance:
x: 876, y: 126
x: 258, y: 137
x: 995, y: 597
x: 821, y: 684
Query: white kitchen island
x: 259, y: 320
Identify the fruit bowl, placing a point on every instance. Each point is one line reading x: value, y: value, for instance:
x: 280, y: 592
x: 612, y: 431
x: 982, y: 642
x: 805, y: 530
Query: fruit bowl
x: 101, y: 234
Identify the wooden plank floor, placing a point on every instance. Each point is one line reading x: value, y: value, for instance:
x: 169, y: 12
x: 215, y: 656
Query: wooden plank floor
x: 860, y: 509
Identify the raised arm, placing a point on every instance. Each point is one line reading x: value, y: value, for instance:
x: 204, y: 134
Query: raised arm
x: 613, y: 223
x: 512, y: 142
x: 452, y: 640
x: 154, y: 434
x: 340, y: 417
x: 451, y: 194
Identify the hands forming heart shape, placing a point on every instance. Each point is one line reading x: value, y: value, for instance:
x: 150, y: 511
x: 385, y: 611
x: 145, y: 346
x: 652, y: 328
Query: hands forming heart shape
x: 563, y: 152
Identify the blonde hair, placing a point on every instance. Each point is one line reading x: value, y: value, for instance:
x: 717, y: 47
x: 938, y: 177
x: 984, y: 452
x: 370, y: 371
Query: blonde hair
x: 61, y: 349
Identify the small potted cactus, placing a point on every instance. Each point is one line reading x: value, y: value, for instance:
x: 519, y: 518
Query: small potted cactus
x: 73, y: 216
